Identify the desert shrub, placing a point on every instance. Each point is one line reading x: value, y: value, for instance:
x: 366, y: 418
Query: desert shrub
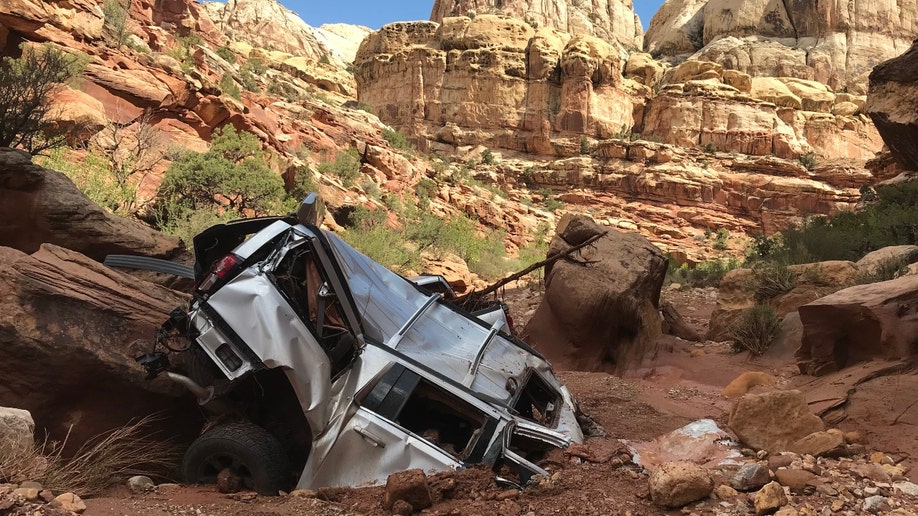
x: 886, y: 270
x: 101, y: 462
x: 772, y: 279
x: 184, y: 51
x: 704, y: 274
x: 720, y: 239
x: 549, y: 201
x: 115, y: 17
x: 346, y: 166
x: 226, y: 53
x: 808, y: 160
x: 93, y: 176
x: 228, y: 86
x: 397, y: 140
x: 710, y: 148
x: 26, y: 84
x: 755, y: 329
x: 585, y: 147
x: 230, y: 177
x: 487, y: 157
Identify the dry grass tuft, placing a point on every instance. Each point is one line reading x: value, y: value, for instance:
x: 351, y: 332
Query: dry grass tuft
x: 101, y: 462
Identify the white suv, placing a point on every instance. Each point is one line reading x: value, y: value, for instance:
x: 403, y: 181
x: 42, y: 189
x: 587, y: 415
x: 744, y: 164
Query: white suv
x: 323, y: 368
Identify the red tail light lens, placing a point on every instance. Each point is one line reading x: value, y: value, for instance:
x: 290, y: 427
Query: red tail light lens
x: 220, y: 272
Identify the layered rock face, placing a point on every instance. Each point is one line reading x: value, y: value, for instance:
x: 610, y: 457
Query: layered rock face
x: 893, y: 106
x: 609, y: 20
x: 492, y: 80
x: 836, y: 43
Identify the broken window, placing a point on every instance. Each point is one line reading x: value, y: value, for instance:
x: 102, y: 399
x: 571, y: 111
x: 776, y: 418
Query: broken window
x: 537, y: 401
x: 307, y: 289
x: 427, y: 411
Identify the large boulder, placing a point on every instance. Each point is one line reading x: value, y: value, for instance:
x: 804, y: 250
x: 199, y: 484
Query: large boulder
x: 69, y: 331
x: 16, y: 431
x: 675, y: 484
x: 601, y: 304
x: 877, y: 320
x: 773, y: 421
x: 38, y: 205
x: 892, y: 104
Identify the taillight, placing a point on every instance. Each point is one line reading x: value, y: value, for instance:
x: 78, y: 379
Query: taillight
x: 220, y: 272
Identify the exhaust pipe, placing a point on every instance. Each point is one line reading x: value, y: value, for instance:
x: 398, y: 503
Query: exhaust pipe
x: 203, y: 394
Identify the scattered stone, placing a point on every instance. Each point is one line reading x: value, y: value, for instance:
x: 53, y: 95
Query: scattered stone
x: 303, y: 493
x: 675, y: 484
x: 787, y: 511
x: 752, y: 419
x: 780, y: 461
x: 750, y: 477
x: 402, y: 508
x: 140, y: 484
x: 906, y: 487
x: 228, y: 482
x: 69, y: 502
x: 742, y: 383
x: 769, y: 499
x: 876, y: 504
x: 29, y: 493
x: 855, y: 438
x: 821, y: 444
x: 410, y: 486
x: 795, y: 479
x: 725, y: 492
x: 32, y: 485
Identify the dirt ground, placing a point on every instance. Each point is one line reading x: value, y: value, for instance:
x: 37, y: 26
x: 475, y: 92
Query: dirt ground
x: 679, y: 384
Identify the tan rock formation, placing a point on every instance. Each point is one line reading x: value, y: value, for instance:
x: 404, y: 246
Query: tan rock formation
x: 265, y: 24
x: 892, y: 106
x: 609, y: 20
x: 836, y: 43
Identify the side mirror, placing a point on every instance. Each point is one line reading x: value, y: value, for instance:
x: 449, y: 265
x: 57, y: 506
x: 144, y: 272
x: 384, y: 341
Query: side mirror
x: 311, y: 211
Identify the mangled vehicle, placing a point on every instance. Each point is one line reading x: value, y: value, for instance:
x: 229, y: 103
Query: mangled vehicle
x: 320, y: 367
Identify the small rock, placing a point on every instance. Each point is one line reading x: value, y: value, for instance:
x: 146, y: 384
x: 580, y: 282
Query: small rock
x: 303, y: 493
x: 410, y: 486
x: 402, y: 508
x: 167, y: 487
x: 674, y: 484
x: 29, y: 493
x: 140, y: 484
x: 750, y: 477
x: 46, y: 495
x: 780, y: 461
x: 769, y: 499
x: 821, y: 444
x: 506, y: 495
x: 906, y: 487
x: 69, y: 502
x: 795, y: 479
x: 228, y: 482
x: 876, y: 504
x: 787, y: 511
x: 837, y: 505
x: 855, y: 438
x: 32, y: 485
x: 725, y: 492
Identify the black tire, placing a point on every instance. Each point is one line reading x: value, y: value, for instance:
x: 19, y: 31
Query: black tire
x: 248, y: 450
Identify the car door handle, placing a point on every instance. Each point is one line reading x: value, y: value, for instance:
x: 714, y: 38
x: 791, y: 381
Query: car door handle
x: 369, y: 437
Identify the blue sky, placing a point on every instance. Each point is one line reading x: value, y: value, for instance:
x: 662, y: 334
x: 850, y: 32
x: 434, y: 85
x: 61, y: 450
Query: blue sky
x: 375, y: 13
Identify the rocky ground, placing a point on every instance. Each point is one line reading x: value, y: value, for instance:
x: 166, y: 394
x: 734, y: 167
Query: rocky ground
x: 682, y: 383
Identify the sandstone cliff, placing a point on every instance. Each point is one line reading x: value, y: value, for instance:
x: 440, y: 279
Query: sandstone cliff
x: 836, y: 43
x: 609, y: 20
x: 893, y: 106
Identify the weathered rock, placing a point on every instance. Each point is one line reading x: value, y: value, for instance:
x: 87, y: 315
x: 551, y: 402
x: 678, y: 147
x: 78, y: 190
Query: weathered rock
x: 835, y: 44
x: 674, y: 324
x: 675, y: 484
x: 701, y: 442
x: 69, y: 502
x: 742, y: 383
x: 891, y: 105
x: 876, y: 504
x: 603, y: 315
x: 69, y: 331
x: 140, y: 484
x: 750, y: 477
x: 876, y: 320
x: 820, y: 444
x: 796, y: 480
x: 408, y: 486
x: 769, y: 499
x: 895, y: 255
x: 611, y: 20
x: 753, y: 418
x: 16, y: 431
x: 38, y: 205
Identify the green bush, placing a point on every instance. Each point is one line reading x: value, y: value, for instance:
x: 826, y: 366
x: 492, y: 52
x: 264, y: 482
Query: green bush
x: 115, y: 17
x: 705, y: 274
x: 720, y: 239
x: 755, y: 329
x: 346, y: 167
x: 230, y: 177
x: 710, y: 148
x: 397, y: 140
x: 886, y: 270
x: 585, y: 147
x: 487, y: 157
x: 808, y: 160
x: 228, y: 86
x: 226, y: 54
x: 772, y: 280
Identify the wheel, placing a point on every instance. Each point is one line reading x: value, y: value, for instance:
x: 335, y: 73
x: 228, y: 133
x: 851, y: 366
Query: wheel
x: 248, y: 450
